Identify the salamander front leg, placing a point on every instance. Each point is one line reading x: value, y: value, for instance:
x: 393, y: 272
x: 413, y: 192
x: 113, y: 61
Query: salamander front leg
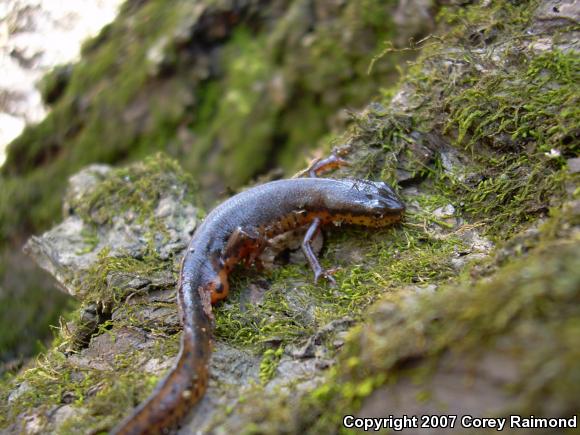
x: 307, y: 249
x: 245, y: 243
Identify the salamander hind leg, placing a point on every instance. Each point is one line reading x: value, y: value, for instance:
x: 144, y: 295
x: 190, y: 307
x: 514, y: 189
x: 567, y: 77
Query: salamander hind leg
x: 311, y: 257
x: 333, y: 161
x: 325, y: 165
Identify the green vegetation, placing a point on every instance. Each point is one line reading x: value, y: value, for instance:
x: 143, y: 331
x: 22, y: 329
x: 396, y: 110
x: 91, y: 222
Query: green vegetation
x: 466, y: 319
x: 230, y: 92
x: 491, y: 139
x: 502, y: 137
x: 397, y: 257
x: 270, y: 361
x: 530, y: 112
x: 136, y: 189
x: 58, y: 377
x: 517, y: 122
x: 146, y: 84
x: 20, y: 312
x: 88, y: 122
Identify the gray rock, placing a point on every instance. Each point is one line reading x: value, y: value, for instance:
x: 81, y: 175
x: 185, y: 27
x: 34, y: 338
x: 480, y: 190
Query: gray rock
x: 444, y: 212
x: 574, y: 165
x: 16, y: 393
x: 70, y: 249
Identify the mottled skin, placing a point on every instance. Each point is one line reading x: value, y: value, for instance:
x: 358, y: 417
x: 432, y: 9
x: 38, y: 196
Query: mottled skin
x: 238, y: 230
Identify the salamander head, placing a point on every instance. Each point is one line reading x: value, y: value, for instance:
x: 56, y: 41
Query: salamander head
x: 373, y: 199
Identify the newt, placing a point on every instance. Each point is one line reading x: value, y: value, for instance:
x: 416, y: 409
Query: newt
x: 238, y: 230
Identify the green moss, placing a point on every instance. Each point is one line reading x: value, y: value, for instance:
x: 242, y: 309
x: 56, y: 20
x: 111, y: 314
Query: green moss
x: 139, y: 89
x: 91, y: 240
x: 505, y: 181
x: 94, y: 284
x: 533, y: 108
x: 516, y: 122
x: 104, y: 395
x: 465, y: 318
x: 269, y: 363
x: 88, y: 122
x: 241, y: 105
x: 393, y: 257
x: 272, y: 319
x: 281, y: 93
x: 136, y: 189
x: 499, y: 123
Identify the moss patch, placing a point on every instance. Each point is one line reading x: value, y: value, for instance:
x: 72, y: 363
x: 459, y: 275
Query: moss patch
x: 540, y: 291
x: 100, y: 387
x: 533, y: 299
x: 500, y: 139
x: 136, y: 189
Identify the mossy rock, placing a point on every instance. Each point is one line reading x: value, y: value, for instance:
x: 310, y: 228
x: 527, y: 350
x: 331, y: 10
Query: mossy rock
x: 479, y: 283
x: 229, y: 88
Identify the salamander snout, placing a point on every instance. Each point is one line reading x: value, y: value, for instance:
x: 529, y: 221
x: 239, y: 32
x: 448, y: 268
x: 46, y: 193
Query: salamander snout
x: 382, y: 199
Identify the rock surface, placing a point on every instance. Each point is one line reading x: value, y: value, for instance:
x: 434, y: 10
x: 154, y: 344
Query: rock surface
x: 469, y: 306
x: 279, y: 74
